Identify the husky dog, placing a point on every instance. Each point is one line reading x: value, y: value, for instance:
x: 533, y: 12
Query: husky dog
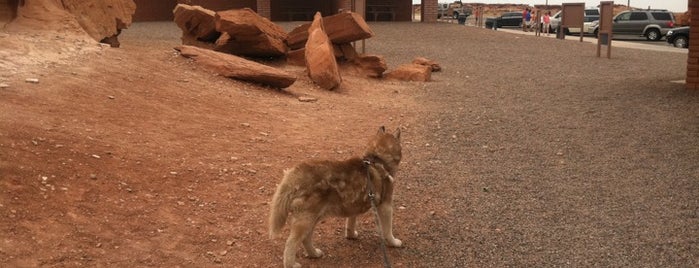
x: 314, y: 189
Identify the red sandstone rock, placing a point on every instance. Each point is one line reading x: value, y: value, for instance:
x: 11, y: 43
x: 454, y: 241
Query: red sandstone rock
x: 296, y: 57
x: 237, y: 67
x: 297, y: 37
x: 197, y: 23
x: 341, y: 28
x: 348, y: 51
x: 411, y: 72
x: 102, y: 20
x: 320, y: 60
x: 371, y: 65
x: 429, y: 63
x: 251, y: 34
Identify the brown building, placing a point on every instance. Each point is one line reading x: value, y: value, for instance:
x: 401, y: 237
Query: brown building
x: 275, y: 10
x: 291, y: 10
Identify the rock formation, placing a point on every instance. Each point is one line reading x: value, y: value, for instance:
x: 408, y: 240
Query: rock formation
x: 434, y: 66
x: 102, y: 20
x: 237, y: 67
x: 411, y: 72
x: 250, y: 34
x: 320, y: 59
x: 341, y: 28
x: 371, y: 65
x: 198, y: 24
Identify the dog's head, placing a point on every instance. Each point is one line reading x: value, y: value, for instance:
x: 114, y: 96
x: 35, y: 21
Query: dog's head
x: 385, y: 148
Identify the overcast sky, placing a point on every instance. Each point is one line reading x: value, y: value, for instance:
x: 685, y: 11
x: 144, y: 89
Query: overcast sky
x: 672, y: 5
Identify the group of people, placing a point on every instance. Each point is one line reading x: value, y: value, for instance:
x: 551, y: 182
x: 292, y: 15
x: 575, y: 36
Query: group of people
x: 529, y: 22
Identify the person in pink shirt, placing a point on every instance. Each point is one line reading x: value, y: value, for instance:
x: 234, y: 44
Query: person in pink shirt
x: 547, y: 22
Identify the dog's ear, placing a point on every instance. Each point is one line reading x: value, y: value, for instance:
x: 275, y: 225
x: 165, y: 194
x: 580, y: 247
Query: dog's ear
x: 382, y: 130
x: 397, y: 133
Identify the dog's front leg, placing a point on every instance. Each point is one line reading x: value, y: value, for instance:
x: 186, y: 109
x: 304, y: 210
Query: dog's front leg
x: 350, y: 225
x: 386, y: 217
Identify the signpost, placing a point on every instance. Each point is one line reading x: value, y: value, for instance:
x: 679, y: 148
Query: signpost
x: 573, y: 17
x: 604, y: 31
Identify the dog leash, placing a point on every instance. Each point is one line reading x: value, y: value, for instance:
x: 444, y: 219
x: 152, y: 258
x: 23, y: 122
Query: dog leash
x: 370, y: 188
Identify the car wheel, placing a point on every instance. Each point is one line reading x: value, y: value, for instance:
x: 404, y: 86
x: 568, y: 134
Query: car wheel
x: 680, y: 41
x: 456, y: 15
x: 567, y: 32
x: 596, y: 33
x: 653, y: 35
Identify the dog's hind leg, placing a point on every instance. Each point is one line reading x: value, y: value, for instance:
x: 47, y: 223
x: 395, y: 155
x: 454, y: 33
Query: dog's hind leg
x: 350, y: 231
x: 311, y: 251
x: 300, y: 227
x: 386, y: 217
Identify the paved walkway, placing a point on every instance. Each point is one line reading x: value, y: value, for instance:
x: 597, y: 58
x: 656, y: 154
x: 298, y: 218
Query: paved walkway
x: 615, y: 43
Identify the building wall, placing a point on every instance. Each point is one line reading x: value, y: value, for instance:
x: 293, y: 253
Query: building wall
x: 693, y: 57
x: 280, y: 10
x: 264, y: 8
x: 161, y: 10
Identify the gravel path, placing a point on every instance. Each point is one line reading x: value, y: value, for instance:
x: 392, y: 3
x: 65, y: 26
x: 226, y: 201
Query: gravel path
x: 542, y: 154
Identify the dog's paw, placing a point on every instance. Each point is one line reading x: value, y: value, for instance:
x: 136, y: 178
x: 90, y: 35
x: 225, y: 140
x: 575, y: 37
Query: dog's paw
x: 396, y: 243
x: 351, y: 235
x: 317, y: 253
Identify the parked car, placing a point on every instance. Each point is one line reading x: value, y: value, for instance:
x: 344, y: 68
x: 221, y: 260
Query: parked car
x: 591, y: 15
x: 651, y: 23
x: 678, y: 37
x: 508, y: 19
x: 453, y: 10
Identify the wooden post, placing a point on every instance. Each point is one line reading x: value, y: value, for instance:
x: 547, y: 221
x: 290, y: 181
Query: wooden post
x: 604, y: 30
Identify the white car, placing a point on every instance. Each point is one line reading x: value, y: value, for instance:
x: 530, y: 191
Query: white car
x: 591, y: 14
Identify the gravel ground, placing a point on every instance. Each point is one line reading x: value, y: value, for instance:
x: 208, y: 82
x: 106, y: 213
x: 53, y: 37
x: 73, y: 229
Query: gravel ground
x: 538, y: 153
x: 542, y: 154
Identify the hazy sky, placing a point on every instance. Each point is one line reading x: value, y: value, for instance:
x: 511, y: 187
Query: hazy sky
x: 672, y: 5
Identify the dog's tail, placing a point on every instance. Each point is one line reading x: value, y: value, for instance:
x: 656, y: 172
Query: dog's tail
x: 279, y: 209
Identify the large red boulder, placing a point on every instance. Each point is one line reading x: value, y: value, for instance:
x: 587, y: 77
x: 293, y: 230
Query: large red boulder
x: 238, y: 68
x: 100, y: 19
x: 341, y: 28
x: 320, y: 58
x: 197, y: 23
x: 251, y: 34
x: 103, y: 20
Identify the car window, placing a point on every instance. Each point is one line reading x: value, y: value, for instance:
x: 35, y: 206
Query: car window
x: 638, y: 16
x: 623, y: 16
x: 590, y: 18
x: 661, y: 15
x: 589, y: 12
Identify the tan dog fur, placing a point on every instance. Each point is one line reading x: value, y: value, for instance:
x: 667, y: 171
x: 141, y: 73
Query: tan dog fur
x: 314, y: 189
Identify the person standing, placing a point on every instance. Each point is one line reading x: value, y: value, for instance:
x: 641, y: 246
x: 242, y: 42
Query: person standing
x: 524, y: 19
x: 547, y: 22
x: 527, y: 19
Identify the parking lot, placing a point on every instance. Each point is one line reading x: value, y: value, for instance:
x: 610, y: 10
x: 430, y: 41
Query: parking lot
x: 620, y: 41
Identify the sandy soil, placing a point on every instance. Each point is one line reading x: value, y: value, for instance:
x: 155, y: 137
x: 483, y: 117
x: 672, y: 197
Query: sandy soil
x: 523, y: 151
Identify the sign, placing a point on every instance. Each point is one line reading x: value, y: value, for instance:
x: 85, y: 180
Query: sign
x: 604, y: 30
x: 572, y: 16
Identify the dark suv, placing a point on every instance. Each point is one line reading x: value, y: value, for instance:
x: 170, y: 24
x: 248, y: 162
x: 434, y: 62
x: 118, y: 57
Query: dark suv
x: 651, y: 23
x: 507, y: 19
